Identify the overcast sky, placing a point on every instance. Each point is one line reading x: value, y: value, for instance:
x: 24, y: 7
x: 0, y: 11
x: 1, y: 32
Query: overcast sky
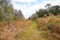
x: 28, y: 7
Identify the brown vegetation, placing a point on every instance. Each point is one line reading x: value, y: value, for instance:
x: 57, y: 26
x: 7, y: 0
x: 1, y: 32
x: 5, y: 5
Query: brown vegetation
x: 51, y: 26
x: 9, y: 30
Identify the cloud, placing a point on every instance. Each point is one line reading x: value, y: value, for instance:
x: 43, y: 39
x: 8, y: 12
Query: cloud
x: 28, y: 7
x: 25, y: 1
x: 52, y: 2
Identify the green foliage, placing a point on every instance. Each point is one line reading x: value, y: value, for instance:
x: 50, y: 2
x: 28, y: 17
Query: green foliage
x: 6, y: 13
x: 9, y: 9
x: 1, y: 15
x: 41, y: 13
x: 15, y: 18
x: 55, y: 10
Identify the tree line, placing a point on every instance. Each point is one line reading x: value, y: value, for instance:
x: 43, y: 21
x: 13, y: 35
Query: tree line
x: 8, y: 13
x: 49, y: 10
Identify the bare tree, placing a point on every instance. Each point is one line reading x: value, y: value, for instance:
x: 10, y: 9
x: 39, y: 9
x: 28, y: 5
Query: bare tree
x: 48, y: 6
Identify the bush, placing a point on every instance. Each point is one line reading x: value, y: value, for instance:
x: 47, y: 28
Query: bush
x: 51, y: 26
x: 41, y: 12
x: 1, y: 15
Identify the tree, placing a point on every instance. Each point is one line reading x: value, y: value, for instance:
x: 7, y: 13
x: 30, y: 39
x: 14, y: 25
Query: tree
x: 1, y: 15
x: 55, y: 10
x: 2, y: 6
x: 41, y: 12
x: 6, y: 9
x: 34, y: 16
x: 18, y: 15
x: 48, y: 7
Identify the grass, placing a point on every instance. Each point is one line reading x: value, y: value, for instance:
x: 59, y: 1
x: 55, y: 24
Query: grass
x: 49, y: 27
x: 30, y: 33
x: 41, y: 29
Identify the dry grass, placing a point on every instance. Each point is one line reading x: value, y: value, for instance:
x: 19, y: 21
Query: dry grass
x: 42, y: 29
x: 9, y: 30
x: 50, y: 26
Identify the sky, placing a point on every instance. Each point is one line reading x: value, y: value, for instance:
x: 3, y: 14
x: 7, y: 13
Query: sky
x: 29, y: 7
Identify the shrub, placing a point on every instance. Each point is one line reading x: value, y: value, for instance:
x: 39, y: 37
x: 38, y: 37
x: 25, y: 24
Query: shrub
x: 51, y: 26
x: 41, y: 12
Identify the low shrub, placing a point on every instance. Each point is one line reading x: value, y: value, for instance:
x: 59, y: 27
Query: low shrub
x: 51, y: 25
